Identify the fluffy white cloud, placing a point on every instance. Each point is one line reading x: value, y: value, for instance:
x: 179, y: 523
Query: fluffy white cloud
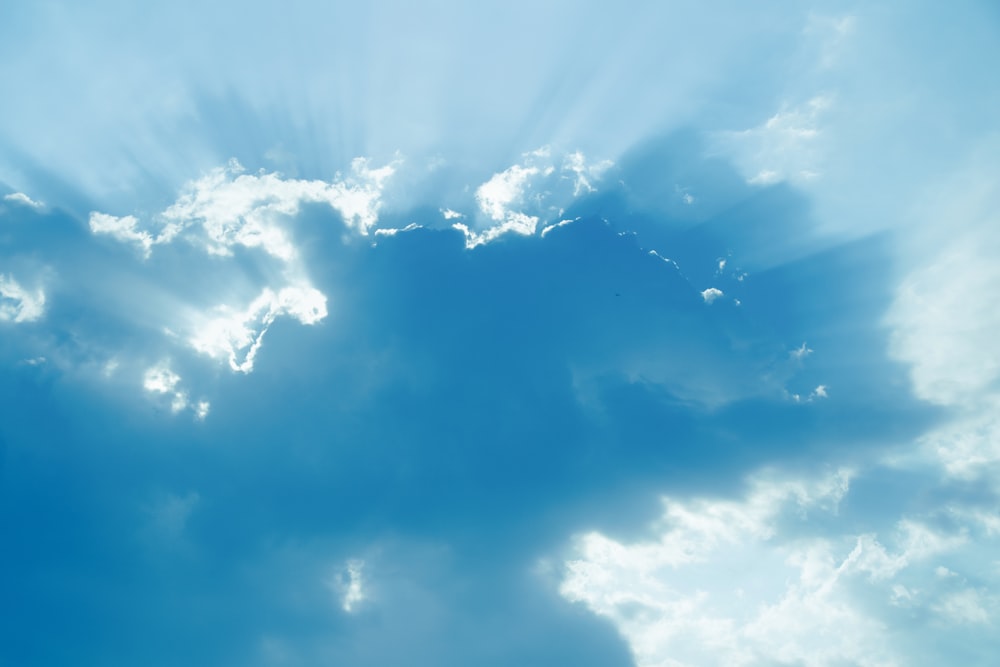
x: 126, y: 229
x: 505, y: 189
x: 711, y: 294
x: 227, y: 208
x: 161, y: 380
x: 516, y: 199
x: 750, y: 582
x: 236, y: 335
x: 18, y: 304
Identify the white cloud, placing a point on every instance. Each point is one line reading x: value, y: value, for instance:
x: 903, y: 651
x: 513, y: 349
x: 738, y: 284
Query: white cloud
x: 227, y: 208
x: 945, y: 319
x: 160, y: 379
x: 964, y: 607
x: 126, y: 229
x: 518, y: 223
x: 349, y: 585
x: 767, y: 579
x: 506, y: 188
x: 711, y: 294
x: 23, y: 200
x: 236, y: 335
x: 585, y: 174
x: 517, y: 199
x: 787, y: 146
x: 18, y: 304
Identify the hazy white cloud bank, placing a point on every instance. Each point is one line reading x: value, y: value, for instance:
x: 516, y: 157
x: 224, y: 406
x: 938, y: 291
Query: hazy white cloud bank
x: 778, y: 577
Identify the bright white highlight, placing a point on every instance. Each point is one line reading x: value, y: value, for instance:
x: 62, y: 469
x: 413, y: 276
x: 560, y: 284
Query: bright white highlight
x: 518, y: 198
x: 785, y: 147
x: 237, y: 335
x: 126, y: 229
x: 18, y: 304
x: 711, y: 294
x: 228, y: 208
x: 349, y: 585
x: 750, y: 582
x: 161, y: 380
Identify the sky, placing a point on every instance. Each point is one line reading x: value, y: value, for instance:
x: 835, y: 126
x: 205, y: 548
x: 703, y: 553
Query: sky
x: 652, y: 334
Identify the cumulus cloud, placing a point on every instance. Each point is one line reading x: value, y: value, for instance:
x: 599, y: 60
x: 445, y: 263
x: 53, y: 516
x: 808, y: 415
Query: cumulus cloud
x: 18, y: 304
x: 711, y: 294
x: 756, y: 581
x: 228, y: 207
x: 160, y: 379
x: 516, y: 199
x: 126, y: 229
x: 236, y: 335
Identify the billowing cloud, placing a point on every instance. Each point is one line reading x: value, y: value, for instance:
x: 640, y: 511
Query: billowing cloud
x: 126, y: 229
x: 754, y: 581
x: 160, y: 379
x: 711, y: 294
x: 228, y: 207
x: 18, y: 304
x: 538, y: 189
x: 236, y: 335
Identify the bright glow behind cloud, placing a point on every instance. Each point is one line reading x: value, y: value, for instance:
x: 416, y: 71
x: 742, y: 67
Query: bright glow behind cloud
x: 237, y: 335
x: 746, y: 582
x: 18, y: 304
x: 230, y: 208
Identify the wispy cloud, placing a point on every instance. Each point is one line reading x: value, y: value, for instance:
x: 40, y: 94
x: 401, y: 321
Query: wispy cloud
x: 18, y: 304
x: 22, y: 199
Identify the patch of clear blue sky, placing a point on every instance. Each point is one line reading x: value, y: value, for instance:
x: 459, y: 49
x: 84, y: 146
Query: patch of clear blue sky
x: 461, y: 413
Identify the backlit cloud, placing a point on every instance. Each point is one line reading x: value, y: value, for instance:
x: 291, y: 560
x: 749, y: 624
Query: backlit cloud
x: 18, y: 304
x: 747, y: 582
x: 236, y: 335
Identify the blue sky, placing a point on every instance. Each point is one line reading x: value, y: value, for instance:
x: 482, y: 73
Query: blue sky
x: 656, y: 334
